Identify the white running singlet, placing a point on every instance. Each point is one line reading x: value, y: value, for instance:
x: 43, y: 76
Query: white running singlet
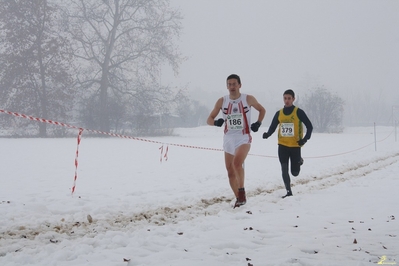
x: 237, y: 115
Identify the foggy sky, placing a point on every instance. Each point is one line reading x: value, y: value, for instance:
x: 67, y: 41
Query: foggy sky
x: 350, y: 47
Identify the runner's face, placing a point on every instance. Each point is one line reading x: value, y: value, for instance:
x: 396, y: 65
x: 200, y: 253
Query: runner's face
x: 288, y: 100
x: 233, y: 86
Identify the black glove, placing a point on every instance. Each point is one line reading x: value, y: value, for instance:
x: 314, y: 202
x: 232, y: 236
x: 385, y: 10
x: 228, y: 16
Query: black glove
x: 255, y: 126
x: 266, y: 135
x: 219, y: 122
x: 302, y: 142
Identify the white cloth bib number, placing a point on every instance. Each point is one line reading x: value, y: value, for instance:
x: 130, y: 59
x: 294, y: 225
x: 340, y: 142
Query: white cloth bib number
x: 287, y: 129
x: 235, y: 122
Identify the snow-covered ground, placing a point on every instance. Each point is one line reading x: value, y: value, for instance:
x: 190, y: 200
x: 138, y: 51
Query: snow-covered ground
x: 131, y: 209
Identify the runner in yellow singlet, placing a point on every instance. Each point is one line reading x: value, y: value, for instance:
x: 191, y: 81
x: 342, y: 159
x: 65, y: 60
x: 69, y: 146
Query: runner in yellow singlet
x: 290, y: 137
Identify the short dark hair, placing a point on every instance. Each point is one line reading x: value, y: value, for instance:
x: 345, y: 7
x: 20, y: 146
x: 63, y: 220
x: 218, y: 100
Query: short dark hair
x: 290, y: 92
x: 234, y: 76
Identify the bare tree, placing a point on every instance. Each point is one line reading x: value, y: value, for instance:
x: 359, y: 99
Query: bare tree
x: 120, y: 46
x: 35, y: 60
x: 366, y: 107
x: 324, y: 109
x: 191, y: 112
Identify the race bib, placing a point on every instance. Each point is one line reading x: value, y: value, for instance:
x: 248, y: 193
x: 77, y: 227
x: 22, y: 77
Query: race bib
x: 287, y: 129
x: 235, y: 122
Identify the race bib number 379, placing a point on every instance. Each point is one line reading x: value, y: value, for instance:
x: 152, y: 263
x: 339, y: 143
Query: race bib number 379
x: 287, y: 129
x: 235, y: 122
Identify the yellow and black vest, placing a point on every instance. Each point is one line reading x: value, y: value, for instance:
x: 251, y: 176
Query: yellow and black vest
x: 290, y: 129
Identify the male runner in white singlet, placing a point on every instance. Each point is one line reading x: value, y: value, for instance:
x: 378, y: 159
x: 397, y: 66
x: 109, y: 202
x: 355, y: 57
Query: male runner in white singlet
x: 236, y: 109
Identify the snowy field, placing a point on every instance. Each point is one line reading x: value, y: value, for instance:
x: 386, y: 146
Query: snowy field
x: 131, y: 209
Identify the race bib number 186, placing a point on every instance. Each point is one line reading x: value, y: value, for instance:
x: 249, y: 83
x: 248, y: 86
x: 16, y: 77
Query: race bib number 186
x: 235, y: 122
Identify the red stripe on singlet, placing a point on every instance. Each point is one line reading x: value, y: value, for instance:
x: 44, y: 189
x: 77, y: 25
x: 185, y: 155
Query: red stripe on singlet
x: 246, y: 126
x: 228, y: 112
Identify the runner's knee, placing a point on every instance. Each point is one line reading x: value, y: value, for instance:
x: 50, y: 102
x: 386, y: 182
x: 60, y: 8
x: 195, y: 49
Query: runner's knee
x: 295, y: 169
x: 284, y: 169
x: 295, y: 173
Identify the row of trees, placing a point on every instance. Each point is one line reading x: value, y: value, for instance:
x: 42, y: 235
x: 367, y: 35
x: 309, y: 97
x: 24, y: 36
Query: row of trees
x: 93, y: 62
x: 97, y: 64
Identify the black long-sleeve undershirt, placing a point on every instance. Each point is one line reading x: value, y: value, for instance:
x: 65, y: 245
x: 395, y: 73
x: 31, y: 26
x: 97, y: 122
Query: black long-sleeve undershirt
x: 301, y: 115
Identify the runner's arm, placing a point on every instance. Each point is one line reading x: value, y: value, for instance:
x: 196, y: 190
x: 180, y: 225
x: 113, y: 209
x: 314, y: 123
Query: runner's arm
x: 251, y: 100
x: 273, y: 124
x: 304, y: 118
x: 218, y: 106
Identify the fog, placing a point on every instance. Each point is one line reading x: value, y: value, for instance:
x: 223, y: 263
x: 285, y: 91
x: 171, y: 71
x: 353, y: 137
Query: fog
x: 349, y: 47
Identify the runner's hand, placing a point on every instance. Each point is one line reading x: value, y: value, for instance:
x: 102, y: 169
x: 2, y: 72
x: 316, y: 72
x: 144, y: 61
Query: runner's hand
x: 302, y: 142
x: 265, y: 135
x: 255, y: 126
x: 219, y: 122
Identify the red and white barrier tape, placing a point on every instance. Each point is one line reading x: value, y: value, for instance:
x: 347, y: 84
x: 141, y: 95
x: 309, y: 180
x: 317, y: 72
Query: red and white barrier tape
x: 102, y: 132
x: 164, y: 155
